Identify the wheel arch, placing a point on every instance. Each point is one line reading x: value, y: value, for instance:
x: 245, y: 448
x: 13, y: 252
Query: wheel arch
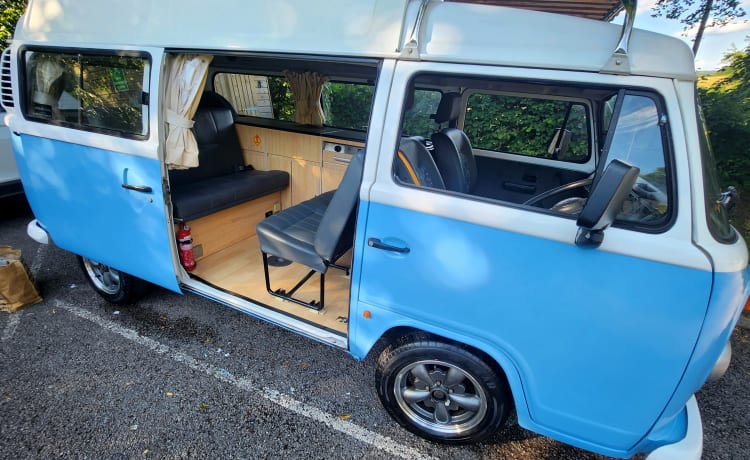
x: 497, y: 359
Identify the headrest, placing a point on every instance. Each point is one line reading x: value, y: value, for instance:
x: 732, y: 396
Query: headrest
x: 449, y: 108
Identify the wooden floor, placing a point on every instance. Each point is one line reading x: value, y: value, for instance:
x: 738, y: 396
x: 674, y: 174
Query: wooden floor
x: 239, y: 269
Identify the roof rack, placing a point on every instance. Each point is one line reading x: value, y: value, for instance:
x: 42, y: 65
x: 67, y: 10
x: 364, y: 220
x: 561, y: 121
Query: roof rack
x: 591, y: 9
x: 410, y: 49
x: 619, y: 63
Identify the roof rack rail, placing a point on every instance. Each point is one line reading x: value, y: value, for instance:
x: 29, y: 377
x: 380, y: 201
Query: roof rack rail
x: 410, y: 49
x: 619, y: 63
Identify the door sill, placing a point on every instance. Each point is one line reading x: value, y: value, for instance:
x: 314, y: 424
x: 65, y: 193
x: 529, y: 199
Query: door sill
x: 265, y: 313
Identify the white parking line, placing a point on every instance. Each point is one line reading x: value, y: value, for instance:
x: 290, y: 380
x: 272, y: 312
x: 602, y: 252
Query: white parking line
x: 14, y: 319
x: 38, y: 259
x: 376, y: 440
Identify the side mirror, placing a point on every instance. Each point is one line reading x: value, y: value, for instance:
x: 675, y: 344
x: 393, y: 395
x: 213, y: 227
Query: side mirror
x: 605, y: 202
x: 729, y: 199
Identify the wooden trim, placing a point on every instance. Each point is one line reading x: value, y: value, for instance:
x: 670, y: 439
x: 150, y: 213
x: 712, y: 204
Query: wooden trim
x: 225, y: 228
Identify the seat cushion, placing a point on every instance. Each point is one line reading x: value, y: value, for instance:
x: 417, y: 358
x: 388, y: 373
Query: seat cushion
x: 290, y: 234
x: 201, y: 198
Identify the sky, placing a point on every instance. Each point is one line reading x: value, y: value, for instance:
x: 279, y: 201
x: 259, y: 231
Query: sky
x: 716, y: 41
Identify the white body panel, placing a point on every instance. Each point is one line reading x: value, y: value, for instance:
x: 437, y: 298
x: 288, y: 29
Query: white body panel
x: 451, y: 32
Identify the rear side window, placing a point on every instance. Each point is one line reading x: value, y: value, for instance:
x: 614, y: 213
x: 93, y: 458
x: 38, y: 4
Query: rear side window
x: 96, y: 92
x: 528, y: 126
x: 347, y: 105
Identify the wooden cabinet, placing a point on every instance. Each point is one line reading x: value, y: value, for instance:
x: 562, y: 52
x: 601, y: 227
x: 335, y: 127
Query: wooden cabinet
x: 253, y: 143
x: 305, y: 180
x: 312, y: 170
x: 334, y: 167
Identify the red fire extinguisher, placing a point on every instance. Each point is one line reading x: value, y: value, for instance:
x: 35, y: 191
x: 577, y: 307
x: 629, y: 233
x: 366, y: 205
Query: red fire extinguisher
x: 185, y: 241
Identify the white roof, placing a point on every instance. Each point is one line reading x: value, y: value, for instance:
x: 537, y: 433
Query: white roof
x: 451, y: 32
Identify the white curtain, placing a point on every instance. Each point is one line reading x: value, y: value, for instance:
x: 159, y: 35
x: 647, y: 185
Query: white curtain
x: 186, y: 80
x: 307, y: 88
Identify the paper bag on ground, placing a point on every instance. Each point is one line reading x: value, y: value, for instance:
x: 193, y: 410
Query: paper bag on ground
x: 16, y: 288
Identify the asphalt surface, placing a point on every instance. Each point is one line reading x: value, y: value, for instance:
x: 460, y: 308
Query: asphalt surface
x: 183, y: 377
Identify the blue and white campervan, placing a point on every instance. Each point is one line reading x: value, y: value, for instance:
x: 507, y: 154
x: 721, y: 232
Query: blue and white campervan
x: 521, y: 205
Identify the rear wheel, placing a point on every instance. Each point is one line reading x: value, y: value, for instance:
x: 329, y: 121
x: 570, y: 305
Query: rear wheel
x: 441, y: 391
x: 113, y: 285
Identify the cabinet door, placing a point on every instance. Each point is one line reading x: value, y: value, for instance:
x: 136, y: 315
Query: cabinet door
x: 283, y: 164
x: 305, y: 180
x: 332, y: 175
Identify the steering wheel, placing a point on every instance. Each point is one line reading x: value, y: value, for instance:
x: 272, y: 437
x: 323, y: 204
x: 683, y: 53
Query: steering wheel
x: 558, y: 190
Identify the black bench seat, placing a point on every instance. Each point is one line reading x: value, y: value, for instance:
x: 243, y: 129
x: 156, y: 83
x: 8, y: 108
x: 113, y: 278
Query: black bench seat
x: 221, y: 180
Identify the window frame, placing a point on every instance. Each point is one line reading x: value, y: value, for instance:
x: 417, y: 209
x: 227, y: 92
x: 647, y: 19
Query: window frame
x: 668, y: 153
x: 145, y: 90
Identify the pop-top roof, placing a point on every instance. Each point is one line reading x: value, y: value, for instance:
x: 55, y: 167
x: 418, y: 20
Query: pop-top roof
x: 448, y: 31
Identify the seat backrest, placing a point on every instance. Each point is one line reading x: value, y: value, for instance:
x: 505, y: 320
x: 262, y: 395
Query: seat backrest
x: 414, y: 165
x: 335, y: 232
x: 455, y: 160
x: 219, y: 151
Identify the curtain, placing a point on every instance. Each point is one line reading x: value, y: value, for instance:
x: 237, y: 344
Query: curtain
x: 186, y: 80
x: 48, y: 86
x: 307, y: 87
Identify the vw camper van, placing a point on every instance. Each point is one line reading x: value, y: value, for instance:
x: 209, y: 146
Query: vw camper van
x: 520, y: 206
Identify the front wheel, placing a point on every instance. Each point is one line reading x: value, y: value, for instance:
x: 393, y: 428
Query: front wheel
x: 441, y: 391
x: 113, y: 285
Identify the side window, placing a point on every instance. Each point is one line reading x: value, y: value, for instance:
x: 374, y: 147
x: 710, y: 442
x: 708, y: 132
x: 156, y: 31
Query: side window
x: 347, y: 105
x: 639, y: 140
x: 528, y: 126
x: 88, y: 91
x: 257, y: 95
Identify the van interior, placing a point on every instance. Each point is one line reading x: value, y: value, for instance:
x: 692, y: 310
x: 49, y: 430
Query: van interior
x: 272, y: 204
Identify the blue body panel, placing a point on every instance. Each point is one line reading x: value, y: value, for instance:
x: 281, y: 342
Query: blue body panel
x: 76, y: 193
x: 593, y: 343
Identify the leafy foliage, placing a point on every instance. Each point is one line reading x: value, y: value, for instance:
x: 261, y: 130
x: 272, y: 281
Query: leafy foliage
x: 524, y: 125
x: 704, y: 13
x: 282, y: 99
x: 417, y: 119
x: 10, y: 12
x: 347, y: 105
x: 726, y: 107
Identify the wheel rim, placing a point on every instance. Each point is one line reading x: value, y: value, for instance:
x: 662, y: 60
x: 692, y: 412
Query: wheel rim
x: 440, y: 397
x: 105, y: 278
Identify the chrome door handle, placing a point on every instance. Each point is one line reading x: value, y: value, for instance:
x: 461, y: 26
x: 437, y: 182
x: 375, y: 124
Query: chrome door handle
x: 138, y: 188
x: 377, y: 244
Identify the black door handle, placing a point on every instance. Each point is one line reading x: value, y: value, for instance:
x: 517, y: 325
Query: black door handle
x: 377, y: 244
x: 138, y: 188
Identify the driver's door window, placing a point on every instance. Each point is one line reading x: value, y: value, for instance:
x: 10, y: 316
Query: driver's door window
x: 639, y: 140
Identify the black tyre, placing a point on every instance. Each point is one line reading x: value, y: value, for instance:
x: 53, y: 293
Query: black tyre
x: 441, y: 391
x: 113, y: 285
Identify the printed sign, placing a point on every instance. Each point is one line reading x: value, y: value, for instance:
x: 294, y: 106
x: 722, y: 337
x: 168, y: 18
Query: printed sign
x: 118, y: 80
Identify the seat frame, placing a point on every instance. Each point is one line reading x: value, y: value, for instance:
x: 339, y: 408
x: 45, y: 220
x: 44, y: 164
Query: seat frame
x: 343, y: 203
